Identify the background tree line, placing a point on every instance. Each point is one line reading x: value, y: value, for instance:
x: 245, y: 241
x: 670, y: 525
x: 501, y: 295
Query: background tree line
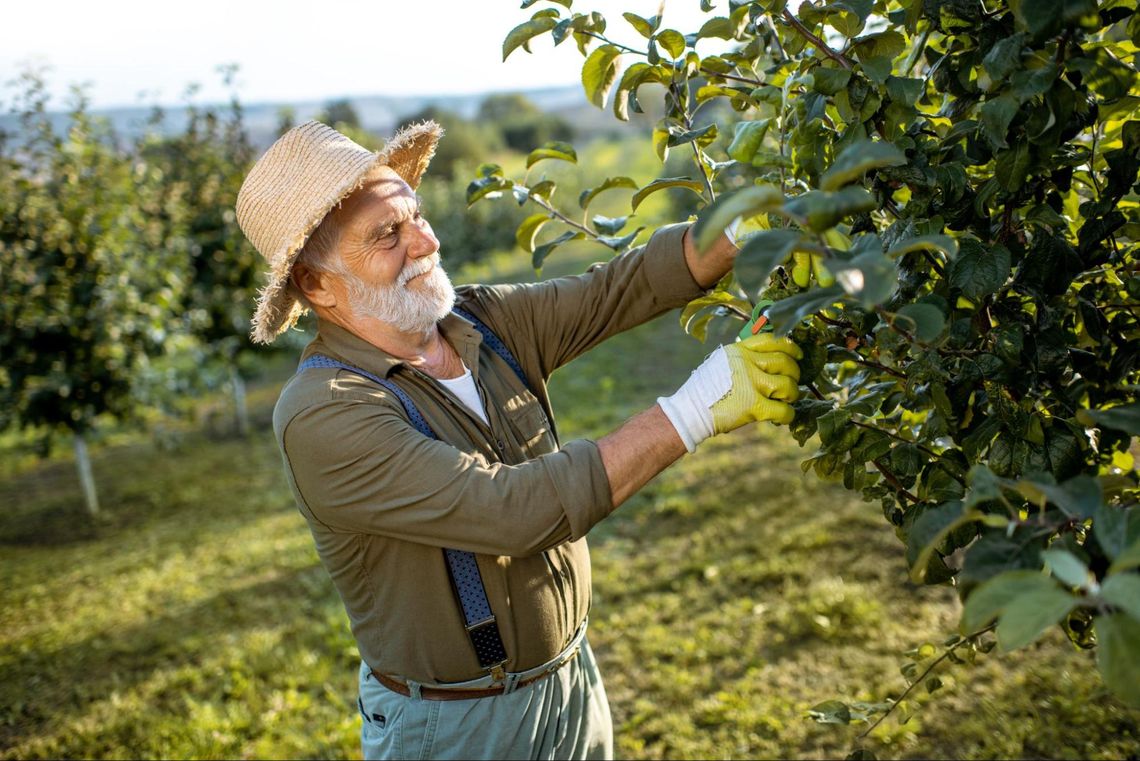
x: 126, y: 285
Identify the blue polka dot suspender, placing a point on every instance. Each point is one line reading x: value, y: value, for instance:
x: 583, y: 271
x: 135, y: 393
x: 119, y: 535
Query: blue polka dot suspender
x: 462, y: 568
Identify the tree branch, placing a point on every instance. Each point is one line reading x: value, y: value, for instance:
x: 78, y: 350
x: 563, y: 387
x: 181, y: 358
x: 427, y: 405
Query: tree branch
x: 893, y: 480
x: 819, y: 44
x: 896, y: 437
x: 923, y: 676
x: 559, y: 215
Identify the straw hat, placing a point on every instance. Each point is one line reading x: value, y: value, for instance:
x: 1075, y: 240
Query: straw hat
x: 308, y: 171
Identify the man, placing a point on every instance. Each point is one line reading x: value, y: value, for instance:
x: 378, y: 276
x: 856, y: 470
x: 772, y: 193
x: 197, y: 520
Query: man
x: 420, y: 445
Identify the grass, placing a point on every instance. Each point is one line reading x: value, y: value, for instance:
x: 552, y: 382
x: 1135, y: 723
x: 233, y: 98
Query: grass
x: 193, y: 620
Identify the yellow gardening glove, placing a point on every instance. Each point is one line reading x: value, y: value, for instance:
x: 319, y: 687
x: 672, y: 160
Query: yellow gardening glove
x: 751, y: 380
x: 764, y: 375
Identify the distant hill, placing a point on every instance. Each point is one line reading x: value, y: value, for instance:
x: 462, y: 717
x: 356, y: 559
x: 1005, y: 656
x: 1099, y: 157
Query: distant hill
x: 378, y: 113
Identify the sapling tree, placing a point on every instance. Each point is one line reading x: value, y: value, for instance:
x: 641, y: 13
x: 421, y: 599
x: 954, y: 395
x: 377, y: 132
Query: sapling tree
x: 86, y: 284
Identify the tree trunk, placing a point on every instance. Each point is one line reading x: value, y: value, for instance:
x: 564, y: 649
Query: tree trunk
x: 241, y: 409
x: 86, y: 478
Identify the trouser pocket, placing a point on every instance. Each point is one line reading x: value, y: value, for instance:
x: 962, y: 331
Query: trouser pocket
x: 394, y: 726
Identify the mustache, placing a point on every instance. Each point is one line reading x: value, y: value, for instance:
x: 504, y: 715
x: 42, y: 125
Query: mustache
x: 417, y: 267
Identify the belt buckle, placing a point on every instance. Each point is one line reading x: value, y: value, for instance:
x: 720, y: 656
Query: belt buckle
x: 498, y: 673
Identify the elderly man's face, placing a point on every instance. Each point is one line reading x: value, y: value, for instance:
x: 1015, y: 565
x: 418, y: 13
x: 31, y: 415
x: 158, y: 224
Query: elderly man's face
x: 391, y: 257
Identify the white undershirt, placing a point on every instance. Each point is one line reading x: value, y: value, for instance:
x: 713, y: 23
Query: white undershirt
x: 464, y: 388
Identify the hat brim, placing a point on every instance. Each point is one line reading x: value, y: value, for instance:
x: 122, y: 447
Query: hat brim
x: 408, y: 153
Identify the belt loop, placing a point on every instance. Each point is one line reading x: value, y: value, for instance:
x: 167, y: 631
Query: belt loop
x: 414, y: 690
x: 510, y: 684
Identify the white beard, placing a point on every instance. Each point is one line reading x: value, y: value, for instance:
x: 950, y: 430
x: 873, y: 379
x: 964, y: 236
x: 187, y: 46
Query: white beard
x: 413, y: 309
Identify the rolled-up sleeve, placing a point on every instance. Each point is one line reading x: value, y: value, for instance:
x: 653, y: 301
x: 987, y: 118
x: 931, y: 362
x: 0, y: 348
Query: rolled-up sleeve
x: 381, y: 476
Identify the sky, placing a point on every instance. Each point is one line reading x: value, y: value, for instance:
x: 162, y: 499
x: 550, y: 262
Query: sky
x: 135, y: 52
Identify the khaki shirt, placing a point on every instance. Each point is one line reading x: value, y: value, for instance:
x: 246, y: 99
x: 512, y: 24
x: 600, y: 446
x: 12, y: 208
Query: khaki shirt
x: 382, y: 500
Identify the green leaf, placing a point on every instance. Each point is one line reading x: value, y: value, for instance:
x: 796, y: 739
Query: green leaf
x: 1079, y: 498
x: 762, y: 253
x: 635, y: 76
x: 661, y: 142
x: 992, y: 597
x: 943, y: 243
x: 1110, y: 527
x: 487, y: 187
x: 1004, y: 57
x: 831, y: 712
x: 1026, y: 617
x: 905, y: 90
x: 996, y: 552
x: 1127, y: 559
x: 697, y: 313
x: 745, y: 203
x: 857, y: 159
x: 885, y: 44
x: 978, y: 271
x: 785, y: 313
x: 1067, y: 567
x: 1125, y: 417
x: 906, y: 460
x: 589, y: 194
x: 927, y: 321
x: 598, y: 73
x: 543, y: 190
x: 552, y: 150
x: 997, y: 113
x: 666, y: 182
x: 528, y: 230
x: 984, y: 485
x: 620, y: 244
x: 672, y: 41
x: 644, y: 26
x: 719, y: 27
x: 543, y: 251
x: 747, y: 139
x: 821, y: 211
x: 1012, y: 166
x: 1118, y: 655
x: 609, y: 225
x: 1104, y: 74
x: 829, y: 81
x: 877, y: 68
x: 1123, y: 591
x: 708, y: 132
x: 870, y: 277
x: 522, y: 34
x: 929, y: 531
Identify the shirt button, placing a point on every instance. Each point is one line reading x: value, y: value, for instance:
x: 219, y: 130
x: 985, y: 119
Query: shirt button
x: 502, y: 446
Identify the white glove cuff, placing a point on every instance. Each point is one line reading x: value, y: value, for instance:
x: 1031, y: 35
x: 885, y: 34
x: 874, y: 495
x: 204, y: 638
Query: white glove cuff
x: 690, y: 408
x: 731, y: 230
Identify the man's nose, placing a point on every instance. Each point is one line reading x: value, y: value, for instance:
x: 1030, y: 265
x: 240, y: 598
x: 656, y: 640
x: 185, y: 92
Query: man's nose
x: 424, y: 242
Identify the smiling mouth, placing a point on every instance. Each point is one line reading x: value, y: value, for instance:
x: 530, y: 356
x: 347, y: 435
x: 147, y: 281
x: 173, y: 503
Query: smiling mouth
x: 417, y: 276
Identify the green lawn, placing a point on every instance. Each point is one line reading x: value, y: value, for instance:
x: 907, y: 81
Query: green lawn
x: 731, y: 595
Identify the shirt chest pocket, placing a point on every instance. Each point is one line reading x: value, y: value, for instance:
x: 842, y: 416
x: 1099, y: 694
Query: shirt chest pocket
x: 531, y: 428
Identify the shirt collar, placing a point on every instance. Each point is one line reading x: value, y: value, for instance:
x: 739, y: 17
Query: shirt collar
x: 337, y: 342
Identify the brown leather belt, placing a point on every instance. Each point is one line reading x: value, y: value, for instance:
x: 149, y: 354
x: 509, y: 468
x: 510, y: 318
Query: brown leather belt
x: 442, y: 693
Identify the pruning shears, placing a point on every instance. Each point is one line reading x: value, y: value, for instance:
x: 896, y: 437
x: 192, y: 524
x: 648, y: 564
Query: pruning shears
x: 759, y: 322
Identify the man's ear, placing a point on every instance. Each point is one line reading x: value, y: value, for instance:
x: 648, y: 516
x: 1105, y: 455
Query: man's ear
x: 315, y: 286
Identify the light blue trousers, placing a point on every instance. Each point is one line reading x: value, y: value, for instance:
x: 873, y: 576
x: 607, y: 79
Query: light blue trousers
x: 562, y: 716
